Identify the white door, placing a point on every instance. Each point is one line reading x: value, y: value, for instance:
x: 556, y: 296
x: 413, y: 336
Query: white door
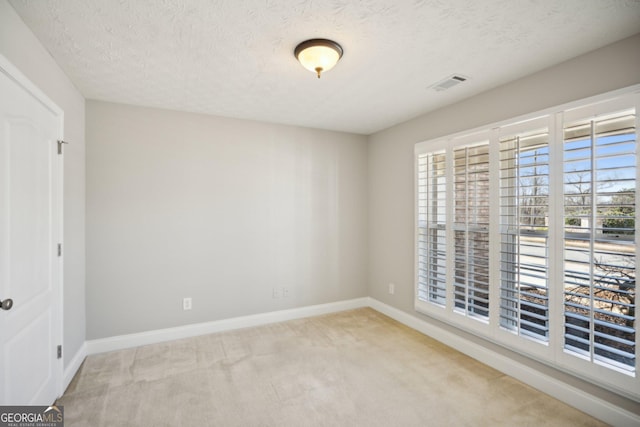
x: 30, y: 230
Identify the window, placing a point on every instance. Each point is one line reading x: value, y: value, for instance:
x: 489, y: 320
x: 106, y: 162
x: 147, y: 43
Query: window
x: 524, y: 233
x: 526, y: 236
x: 599, y: 239
x: 471, y: 230
x: 431, y: 229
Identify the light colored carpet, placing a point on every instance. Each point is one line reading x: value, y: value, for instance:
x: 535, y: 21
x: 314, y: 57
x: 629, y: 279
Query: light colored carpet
x: 355, y: 368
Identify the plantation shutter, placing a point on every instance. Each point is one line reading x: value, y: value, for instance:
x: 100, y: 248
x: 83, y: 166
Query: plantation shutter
x: 599, y: 239
x: 432, y: 227
x: 524, y: 234
x: 471, y: 230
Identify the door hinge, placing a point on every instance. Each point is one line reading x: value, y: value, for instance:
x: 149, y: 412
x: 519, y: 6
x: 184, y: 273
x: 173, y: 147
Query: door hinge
x: 60, y: 142
x: 59, y: 352
x: 59, y: 249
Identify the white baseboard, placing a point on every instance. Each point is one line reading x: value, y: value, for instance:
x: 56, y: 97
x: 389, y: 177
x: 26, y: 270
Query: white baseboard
x: 74, y: 365
x: 562, y: 391
x: 161, y: 335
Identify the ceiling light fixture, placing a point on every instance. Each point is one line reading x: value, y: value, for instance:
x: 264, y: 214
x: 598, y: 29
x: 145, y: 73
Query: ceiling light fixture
x: 318, y: 55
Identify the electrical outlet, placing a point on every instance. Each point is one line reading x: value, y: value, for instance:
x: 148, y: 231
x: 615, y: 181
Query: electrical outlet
x: 392, y: 288
x: 186, y: 303
x: 275, y: 293
x: 285, y: 292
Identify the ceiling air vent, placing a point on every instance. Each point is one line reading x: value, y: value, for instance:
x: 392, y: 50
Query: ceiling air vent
x: 447, y: 83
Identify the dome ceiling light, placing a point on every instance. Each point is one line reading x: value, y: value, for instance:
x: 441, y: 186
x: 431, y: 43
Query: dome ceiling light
x: 318, y: 55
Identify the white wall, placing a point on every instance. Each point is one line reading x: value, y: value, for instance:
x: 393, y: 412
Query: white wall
x: 391, y: 186
x: 20, y: 46
x: 219, y: 210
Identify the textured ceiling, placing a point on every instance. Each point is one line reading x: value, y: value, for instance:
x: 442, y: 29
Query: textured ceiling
x: 235, y: 58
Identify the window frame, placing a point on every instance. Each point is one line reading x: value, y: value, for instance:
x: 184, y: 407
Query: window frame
x: 551, y: 353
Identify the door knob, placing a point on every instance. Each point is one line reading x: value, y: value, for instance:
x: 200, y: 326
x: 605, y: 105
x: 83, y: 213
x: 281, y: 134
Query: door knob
x: 6, y: 304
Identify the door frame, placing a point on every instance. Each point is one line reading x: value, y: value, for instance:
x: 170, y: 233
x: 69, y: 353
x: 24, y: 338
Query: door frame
x: 57, y: 279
